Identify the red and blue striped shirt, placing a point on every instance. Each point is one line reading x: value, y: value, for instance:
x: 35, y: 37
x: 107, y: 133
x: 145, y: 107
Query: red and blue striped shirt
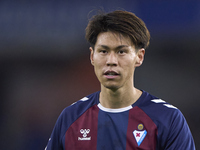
x: 149, y: 124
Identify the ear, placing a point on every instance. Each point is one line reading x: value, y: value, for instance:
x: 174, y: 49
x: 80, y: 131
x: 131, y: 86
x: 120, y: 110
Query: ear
x: 91, y: 55
x: 140, y: 57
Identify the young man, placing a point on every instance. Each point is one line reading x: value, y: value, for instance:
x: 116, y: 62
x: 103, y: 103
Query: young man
x: 120, y: 116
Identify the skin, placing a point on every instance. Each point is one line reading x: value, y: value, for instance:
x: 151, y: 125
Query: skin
x: 115, y: 58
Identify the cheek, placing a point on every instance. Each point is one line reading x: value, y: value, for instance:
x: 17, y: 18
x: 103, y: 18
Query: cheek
x: 129, y: 62
x: 129, y: 68
x: 98, y: 61
x: 98, y: 72
x: 97, y: 67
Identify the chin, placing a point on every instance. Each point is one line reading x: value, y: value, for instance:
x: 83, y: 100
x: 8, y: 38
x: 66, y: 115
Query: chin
x: 112, y: 87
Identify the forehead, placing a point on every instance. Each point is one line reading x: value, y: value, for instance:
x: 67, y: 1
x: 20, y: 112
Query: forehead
x: 112, y: 39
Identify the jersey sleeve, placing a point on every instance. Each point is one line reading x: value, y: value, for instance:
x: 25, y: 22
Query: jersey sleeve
x: 66, y: 118
x: 55, y: 140
x: 179, y: 137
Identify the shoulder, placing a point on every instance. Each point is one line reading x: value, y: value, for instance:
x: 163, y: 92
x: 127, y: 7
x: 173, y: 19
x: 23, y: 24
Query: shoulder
x: 76, y: 109
x: 71, y: 113
x: 85, y: 102
x: 172, y: 127
x: 160, y: 111
x: 156, y: 105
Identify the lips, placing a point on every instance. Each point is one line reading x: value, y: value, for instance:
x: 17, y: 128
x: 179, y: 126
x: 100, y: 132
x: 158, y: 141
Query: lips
x: 110, y: 74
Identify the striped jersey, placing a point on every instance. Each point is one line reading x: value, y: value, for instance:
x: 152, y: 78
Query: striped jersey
x: 149, y: 124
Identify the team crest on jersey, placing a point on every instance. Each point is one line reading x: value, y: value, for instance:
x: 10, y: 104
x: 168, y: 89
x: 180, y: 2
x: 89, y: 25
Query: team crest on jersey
x: 139, y: 134
x: 84, y: 133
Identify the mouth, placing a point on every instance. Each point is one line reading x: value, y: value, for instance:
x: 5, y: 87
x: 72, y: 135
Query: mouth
x: 111, y: 74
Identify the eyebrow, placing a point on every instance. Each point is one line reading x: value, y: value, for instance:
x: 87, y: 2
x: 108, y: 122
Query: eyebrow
x: 118, y: 47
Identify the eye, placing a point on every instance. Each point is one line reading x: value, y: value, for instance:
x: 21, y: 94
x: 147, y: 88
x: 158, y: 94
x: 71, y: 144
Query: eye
x: 121, y: 51
x: 103, y: 51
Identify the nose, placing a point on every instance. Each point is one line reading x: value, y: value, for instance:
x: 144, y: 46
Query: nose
x: 112, y: 59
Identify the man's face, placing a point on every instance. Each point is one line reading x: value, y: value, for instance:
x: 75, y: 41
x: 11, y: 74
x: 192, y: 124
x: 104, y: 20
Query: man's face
x: 114, y: 59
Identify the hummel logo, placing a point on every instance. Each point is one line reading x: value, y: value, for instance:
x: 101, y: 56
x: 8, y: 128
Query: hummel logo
x: 85, y: 132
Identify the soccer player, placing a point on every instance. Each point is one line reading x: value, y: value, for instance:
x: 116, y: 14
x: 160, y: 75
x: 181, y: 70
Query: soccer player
x: 119, y: 116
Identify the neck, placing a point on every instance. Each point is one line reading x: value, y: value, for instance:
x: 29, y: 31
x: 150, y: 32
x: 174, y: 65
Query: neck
x: 119, y: 98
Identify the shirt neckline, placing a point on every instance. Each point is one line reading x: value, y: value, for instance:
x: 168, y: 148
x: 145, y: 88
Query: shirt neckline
x: 121, y: 109
x: 117, y: 110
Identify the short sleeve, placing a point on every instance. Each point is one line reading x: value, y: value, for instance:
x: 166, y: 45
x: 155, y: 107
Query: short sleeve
x: 179, y: 137
x: 55, y: 140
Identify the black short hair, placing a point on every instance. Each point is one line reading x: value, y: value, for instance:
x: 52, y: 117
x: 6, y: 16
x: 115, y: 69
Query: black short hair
x: 119, y: 21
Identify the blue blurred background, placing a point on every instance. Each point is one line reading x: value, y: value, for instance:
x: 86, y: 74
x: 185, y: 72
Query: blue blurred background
x: 45, y: 66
